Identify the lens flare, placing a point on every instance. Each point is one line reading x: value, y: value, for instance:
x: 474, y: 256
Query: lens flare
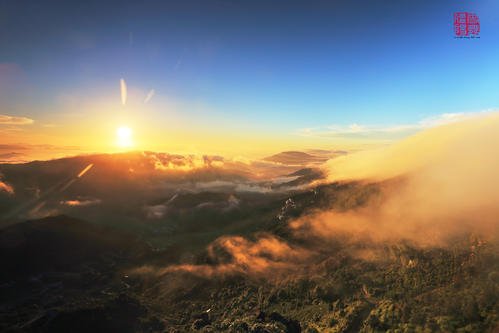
x: 123, y: 91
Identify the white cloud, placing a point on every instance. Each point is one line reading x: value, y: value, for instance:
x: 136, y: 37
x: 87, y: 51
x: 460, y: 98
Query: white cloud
x: 448, y: 118
x: 358, y: 130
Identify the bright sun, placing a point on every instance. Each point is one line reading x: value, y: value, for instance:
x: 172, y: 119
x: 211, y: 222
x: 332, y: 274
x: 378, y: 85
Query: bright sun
x: 124, y: 136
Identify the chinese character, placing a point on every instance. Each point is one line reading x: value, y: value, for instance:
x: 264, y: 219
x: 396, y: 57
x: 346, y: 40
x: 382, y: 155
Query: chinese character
x: 466, y: 24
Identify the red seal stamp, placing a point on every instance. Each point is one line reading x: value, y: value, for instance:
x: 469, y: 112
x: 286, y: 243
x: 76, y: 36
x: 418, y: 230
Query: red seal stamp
x: 466, y: 25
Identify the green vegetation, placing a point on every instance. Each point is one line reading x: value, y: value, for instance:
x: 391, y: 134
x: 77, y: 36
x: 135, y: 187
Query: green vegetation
x: 444, y: 290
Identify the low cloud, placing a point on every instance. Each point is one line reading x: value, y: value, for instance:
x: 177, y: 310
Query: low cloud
x: 13, y: 120
x: 21, y: 152
x: 230, y: 204
x: 267, y: 256
x: 448, y: 187
x: 155, y: 211
x: 231, y: 185
x: 11, y: 157
x: 166, y: 162
x: 4, y: 187
x: 81, y: 202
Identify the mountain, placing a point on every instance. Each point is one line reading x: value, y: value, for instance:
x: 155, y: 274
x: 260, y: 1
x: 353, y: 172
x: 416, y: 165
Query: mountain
x: 148, y: 242
x: 295, y: 158
x: 59, y: 243
x: 310, y: 157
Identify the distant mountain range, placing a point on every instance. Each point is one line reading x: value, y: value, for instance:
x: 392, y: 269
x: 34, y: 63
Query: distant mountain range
x: 303, y: 158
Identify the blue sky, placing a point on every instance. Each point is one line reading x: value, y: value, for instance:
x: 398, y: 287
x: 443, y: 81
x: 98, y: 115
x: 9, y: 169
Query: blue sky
x: 260, y: 65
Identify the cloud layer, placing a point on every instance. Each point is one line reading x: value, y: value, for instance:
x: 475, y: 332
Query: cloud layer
x: 449, y: 187
x: 437, y: 188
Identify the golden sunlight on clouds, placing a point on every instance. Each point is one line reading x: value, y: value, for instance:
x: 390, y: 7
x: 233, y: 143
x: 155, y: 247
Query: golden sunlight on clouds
x: 461, y: 142
x: 12, y: 120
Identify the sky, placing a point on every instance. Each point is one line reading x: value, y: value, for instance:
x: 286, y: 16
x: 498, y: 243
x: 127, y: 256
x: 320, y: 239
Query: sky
x: 238, y: 77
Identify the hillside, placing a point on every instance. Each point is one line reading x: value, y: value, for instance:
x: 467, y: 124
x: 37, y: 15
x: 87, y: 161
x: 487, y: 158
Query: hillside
x: 170, y: 251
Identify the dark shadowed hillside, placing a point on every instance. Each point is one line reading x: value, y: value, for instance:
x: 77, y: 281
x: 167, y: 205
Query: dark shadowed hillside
x: 60, y: 243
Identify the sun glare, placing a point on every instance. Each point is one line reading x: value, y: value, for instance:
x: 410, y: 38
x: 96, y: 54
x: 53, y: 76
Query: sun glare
x: 124, y: 137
